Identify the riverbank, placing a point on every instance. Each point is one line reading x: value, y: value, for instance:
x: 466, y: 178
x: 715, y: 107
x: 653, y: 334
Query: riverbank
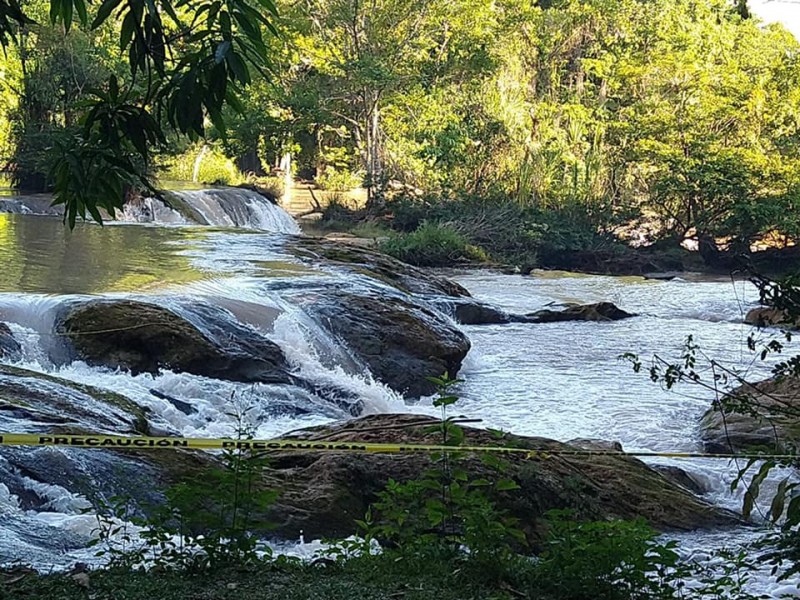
x: 432, y: 248
x: 605, y: 561
x: 357, y: 580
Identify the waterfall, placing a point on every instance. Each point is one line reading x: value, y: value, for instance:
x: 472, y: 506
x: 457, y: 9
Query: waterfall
x: 222, y: 207
x: 151, y: 210
x: 236, y: 207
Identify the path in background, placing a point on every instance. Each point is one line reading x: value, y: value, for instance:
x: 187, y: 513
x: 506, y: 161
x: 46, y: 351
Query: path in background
x: 301, y: 201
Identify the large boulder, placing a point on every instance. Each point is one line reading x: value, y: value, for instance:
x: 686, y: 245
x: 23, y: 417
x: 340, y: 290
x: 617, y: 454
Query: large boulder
x: 765, y: 316
x: 471, y: 312
x: 373, y: 264
x: 323, y: 493
x: 773, y: 425
x: 10, y: 348
x: 401, y: 341
x: 142, y: 337
x: 601, y: 311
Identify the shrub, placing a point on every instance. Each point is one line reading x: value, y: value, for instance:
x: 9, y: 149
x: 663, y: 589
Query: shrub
x: 508, y: 231
x: 432, y: 245
x: 445, y: 511
x: 269, y: 186
x: 338, y: 180
x: 215, y: 168
x: 340, y: 211
x: 35, y: 156
x: 605, y: 559
x: 211, y: 520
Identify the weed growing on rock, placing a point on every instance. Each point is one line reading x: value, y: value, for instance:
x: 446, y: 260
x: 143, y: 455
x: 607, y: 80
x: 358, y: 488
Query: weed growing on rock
x: 213, y: 520
x: 445, y: 511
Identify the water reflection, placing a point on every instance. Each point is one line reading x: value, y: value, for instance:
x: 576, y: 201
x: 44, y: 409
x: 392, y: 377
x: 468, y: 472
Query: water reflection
x: 41, y: 255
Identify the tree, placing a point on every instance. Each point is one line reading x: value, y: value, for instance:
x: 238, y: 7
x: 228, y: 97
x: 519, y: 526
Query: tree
x: 360, y: 54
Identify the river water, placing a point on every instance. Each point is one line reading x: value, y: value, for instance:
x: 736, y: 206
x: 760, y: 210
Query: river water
x: 558, y: 380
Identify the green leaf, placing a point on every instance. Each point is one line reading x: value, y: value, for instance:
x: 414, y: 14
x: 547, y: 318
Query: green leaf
x: 480, y: 483
x: 778, y: 501
x: 506, y: 485
x: 126, y: 30
x: 56, y: 11
x: 80, y: 8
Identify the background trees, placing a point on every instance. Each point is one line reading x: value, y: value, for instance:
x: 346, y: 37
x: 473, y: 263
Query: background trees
x: 683, y: 116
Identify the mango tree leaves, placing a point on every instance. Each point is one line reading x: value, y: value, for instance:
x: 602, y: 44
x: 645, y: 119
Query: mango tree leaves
x: 188, y: 60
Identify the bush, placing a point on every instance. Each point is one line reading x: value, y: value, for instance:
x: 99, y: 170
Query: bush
x: 35, y: 156
x: 340, y: 212
x: 508, y: 231
x: 432, y: 245
x: 215, y: 168
x: 268, y: 186
x: 338, y: 181
x: 611, y: 560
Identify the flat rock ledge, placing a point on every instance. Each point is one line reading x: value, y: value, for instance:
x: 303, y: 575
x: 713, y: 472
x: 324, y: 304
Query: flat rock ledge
x: 766, y: 316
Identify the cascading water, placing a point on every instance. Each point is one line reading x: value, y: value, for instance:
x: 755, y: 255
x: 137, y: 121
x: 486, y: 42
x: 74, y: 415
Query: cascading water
x: 218, y: 207
x: 558, y: 380
x: 235, y: 207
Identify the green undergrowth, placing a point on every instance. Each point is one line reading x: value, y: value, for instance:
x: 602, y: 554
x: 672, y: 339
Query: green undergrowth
x: 367, y: 579
x: 433, y: 245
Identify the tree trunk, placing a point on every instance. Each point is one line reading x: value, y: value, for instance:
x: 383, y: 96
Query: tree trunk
x: 249, y: 162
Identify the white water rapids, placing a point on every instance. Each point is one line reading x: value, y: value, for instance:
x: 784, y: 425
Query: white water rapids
x: 558, y: 380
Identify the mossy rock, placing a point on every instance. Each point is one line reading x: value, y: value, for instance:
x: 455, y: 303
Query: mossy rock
x: 765, y: 316
x: 142, y: 337
x: 401, y: 341
x: 323, y: 493
x: 18, y: 388
x: 379, y: 266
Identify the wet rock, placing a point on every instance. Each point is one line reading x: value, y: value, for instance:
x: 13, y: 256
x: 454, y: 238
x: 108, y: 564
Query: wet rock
x: 765, y: 316
x: 61, y: 479
x: 374, y: 264
x: 682, y: 477
x: 595, y: 444
x: 182, y: 406
x: 601, y: 311
x: 471, y: 312
x: 38, y: 403
x: 10, y: 348
x: 28, y: 397
x: 30, y: 204
x: 323, y: 493
x: 401, y: 341
x: 141, y: 337
x: 768, y: 429
x: 665, y: 276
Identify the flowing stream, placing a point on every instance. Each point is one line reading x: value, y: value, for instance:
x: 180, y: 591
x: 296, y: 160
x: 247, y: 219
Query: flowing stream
x: 557, y: 380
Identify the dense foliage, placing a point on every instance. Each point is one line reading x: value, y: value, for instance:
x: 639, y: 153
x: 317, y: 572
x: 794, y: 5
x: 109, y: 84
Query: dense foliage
x: 665, y: 119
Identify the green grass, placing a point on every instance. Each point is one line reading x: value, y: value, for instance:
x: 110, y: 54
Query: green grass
x: 433, y: 245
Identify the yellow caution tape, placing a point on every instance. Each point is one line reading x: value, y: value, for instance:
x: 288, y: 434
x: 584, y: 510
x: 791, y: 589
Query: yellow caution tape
x: 148, y: 443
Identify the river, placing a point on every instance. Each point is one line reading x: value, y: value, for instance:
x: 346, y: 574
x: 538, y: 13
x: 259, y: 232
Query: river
x: 557, y: 380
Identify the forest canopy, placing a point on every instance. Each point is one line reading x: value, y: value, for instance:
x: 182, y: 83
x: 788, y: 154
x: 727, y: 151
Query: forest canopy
x: 682, y: 116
